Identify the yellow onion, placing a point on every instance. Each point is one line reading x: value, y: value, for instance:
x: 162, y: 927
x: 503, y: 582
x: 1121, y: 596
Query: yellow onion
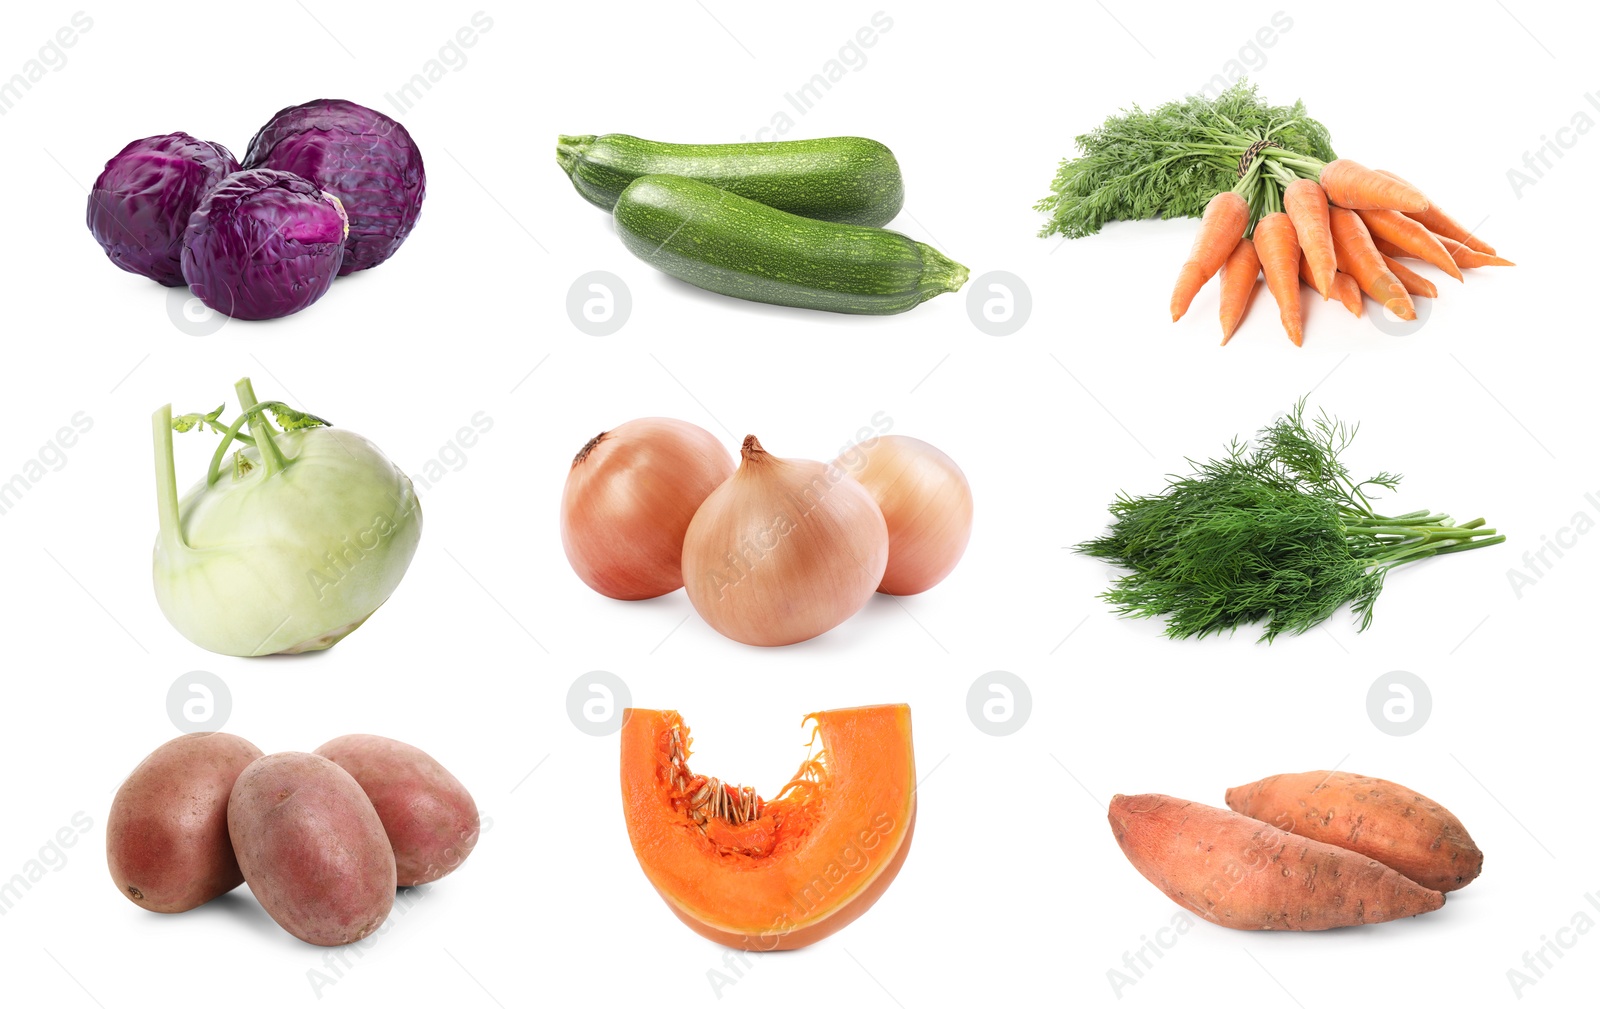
x: 628, y: 500
x: 926, y: 502
x: 784, y: 550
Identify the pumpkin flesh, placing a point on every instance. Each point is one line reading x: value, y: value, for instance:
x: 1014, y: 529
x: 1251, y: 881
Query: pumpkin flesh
x: 762, y: 874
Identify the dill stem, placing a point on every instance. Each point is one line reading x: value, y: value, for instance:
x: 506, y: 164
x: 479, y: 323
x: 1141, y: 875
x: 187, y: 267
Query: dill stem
x: 1434, y: 551
x: 1435, y: 531
x: 1410, y: 518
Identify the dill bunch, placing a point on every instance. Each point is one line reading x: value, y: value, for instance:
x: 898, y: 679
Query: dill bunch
x: 1276, y: 532
x: 1169, y: 161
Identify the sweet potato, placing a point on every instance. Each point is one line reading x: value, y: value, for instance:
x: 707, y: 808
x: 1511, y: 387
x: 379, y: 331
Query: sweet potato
x: 1242, y: 873
x: 312, y: 848
x: 430, y: 818
x: 167, y: 833
x: 1408, y: 832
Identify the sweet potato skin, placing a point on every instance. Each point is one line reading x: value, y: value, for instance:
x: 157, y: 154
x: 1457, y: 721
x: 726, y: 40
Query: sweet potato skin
x: 429, y: 816
x: 167, y: 840
x: 1245, y: 874
x: 1405, y: 830
x: 312, y: 848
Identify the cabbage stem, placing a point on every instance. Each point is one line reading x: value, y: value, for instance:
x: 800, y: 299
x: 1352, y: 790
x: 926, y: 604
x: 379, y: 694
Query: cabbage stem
x: 260, y: 428
x: 166, y: 482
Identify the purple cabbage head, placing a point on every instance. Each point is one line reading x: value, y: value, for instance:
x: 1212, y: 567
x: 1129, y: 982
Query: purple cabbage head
x: 263, y: 244
x: 363, y: 157
x: 140, y: 205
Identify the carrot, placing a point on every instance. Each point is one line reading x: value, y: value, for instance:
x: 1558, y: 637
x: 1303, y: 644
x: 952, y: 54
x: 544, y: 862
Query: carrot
x: 1348, y: 292
x: 1239, y: 276
x: 1345, y: 288
x: 1241, y: 873
x: 1280, y: 261
x: 1398, y: 229
x: 1470, y: 259
x: 1361, y: 260
x: 1441, y: 223
x: 1307, y: 205
x: 1415, y: 283
x: 1357, y: 187
x: 1221, y: 227
x: 1392, y: 250
x: 1409, y: 833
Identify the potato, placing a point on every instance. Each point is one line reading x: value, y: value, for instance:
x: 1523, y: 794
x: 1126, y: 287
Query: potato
x: 1408, y: 832
x: 312, y: 848
x: 431, y: 821
x: 167, y: 834
x: 1242, y: 873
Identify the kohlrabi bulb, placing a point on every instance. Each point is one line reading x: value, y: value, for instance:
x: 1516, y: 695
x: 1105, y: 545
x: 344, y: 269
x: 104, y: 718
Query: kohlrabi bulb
x: 290, y: 542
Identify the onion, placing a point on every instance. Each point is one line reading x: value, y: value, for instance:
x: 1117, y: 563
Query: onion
x: 784, y: 550
x: 629, y: 497
x: 925, y: 501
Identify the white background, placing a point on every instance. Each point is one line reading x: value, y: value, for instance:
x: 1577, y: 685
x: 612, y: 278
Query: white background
x: 1014, y: 888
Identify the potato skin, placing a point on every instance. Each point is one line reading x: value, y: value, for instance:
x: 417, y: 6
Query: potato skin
x: 312, y: 848
x: 1407, y: 831
x: 167, y: 842
x: 429, y: 816
x: 1241, y: 873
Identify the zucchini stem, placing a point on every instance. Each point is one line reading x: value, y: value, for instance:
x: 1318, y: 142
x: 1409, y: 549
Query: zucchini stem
x: 940, y: 273
x: 570, y: 150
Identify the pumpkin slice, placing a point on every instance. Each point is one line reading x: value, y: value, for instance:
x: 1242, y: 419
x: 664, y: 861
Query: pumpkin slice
x: 780, y: 873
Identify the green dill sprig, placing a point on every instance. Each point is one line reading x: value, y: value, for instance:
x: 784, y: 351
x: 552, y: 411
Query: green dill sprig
x: 1277, y: 532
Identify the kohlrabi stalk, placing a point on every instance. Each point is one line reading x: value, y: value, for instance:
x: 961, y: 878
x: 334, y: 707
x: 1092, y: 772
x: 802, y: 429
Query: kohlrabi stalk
x: 260, y: 428
x: 166, y: 482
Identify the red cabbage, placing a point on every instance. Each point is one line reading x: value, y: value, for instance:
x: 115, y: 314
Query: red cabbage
x: 361, y: 156
x: 140, y: 204
x: 263, y: 244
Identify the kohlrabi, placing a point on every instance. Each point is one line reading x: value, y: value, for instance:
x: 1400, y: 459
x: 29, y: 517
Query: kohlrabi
x: 288, y: 545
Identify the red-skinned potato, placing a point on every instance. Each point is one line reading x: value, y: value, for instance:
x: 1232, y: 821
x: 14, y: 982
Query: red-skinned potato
x: 312, y: 848
x: 429, y: 816
x: 167, y: 842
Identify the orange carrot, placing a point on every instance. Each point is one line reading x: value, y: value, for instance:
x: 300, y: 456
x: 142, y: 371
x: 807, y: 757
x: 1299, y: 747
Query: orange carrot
x: 1307, y: 205
x: 1357, y: 187
x: 1345, y: 289
x: 1398, y: 229
x: 1392, y: 250
x: 1239, y: 276
x: 1348, y: 292
x: 1280, y: 261
x: 1441, y: 223
x: 1361, y: 260
x: 1469, y: 259
x: 1221, y: 227
x: 1415, y: 282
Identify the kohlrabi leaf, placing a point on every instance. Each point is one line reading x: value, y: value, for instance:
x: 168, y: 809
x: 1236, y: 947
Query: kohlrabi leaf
x: 190, y: 421
x: 291, y: 419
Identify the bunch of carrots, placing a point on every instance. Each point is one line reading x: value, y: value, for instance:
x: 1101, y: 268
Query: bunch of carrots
x: 1273, y: 197
x: 1341, y: 232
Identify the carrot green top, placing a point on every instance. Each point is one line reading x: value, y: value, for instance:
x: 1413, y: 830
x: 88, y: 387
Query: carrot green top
x: 1169, y: 161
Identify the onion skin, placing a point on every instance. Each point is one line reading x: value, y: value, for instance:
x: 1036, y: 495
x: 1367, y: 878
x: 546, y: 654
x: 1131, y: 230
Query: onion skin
x: 628, y: 501
x: 926, y: 502
x: 783, y: 551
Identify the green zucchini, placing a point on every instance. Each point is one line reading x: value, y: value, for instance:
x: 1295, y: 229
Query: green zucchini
x: 851, y: 180
x: 722, y: 242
